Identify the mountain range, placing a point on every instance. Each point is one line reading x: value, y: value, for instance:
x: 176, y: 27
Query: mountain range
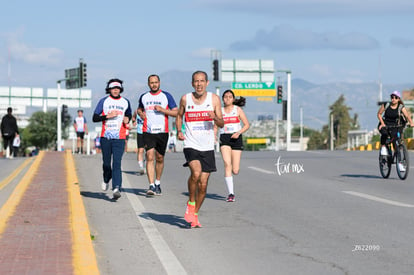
x: 314, y: 99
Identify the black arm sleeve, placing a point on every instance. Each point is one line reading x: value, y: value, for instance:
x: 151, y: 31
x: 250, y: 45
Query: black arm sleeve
x: 98, y: 118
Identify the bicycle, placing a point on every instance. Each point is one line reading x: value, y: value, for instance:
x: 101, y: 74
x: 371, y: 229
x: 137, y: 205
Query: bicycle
x: 398, y: 156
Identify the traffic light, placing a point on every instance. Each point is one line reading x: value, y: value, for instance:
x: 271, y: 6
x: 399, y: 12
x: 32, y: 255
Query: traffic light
x: 216, y: 72
x: 65, y: 114
x: 284, y: 110
x: 82, y: 74
x: 279, y: 94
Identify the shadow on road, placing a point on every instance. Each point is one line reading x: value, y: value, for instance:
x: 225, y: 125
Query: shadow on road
x: 209, y: 196
x: 108, y: 196
x: 136, y: 191
x: 96, y: 195
x: 135, y: 173
x: 361, y: 176
x: 166, y: 218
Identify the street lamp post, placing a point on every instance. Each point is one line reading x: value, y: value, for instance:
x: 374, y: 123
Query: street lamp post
x: 301, y: 128
x: 59, y: 118
x: 288, y: 109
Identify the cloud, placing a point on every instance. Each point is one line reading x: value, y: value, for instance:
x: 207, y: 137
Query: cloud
x: 286, y: 38
x: 402, y: 42
x: 311, y: 8
x: 31, y: 55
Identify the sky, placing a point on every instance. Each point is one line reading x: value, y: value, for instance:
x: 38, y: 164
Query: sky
x: 320, y: 41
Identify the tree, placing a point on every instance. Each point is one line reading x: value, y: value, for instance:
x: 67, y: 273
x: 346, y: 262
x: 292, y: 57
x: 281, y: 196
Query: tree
x: 317, y: 141
x: 307, y: 132
x: 41, y: 131
x: 342, y: 123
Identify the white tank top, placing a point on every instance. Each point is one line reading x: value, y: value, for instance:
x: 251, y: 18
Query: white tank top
x: 199, y: 127
x: 231, y: 121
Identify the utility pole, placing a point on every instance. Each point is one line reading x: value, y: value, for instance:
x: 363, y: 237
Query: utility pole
x: 289, y: 110
x: 332, y: 133
x: 277, y: 133
x: 301, y: 128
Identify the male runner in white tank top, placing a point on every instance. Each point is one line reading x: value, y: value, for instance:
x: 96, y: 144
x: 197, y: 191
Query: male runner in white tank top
x: 202, y: 110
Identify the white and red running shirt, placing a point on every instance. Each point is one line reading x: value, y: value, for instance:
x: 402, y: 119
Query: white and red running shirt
x: 231, y: 121
x: 199, y: 127
x: 80, y: 122
x: 156, y: 122
x: 113, y: 128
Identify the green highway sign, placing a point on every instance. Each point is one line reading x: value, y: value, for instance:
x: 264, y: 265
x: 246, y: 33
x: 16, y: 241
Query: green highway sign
x: 254, y: 88
x: 253, y: 85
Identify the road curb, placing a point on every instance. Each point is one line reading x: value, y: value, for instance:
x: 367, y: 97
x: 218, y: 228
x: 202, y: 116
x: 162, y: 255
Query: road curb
x: 84, y: 258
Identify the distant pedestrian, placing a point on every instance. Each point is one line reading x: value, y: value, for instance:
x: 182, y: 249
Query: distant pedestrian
x: 231, y: 141
x: 16, y: 145
x: 202, y: 111
x: 81, y: 128
x: 114, y: 112
x: 154, y: 107
x: 9, y: 131
x: 137, y: 121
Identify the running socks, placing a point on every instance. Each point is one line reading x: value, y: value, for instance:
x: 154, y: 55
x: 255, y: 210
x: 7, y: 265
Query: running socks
x: 229, y: 183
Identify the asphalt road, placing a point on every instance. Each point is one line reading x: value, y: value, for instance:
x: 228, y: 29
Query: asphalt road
x: 315, y: 212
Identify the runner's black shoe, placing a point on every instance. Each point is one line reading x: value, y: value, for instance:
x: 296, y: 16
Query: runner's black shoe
x: 158, y: 189
x: 151, y: 190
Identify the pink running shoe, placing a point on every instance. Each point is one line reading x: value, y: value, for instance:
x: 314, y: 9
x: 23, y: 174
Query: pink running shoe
x: 195, y: 223
x: 231, y: 198
x: 189, y: 213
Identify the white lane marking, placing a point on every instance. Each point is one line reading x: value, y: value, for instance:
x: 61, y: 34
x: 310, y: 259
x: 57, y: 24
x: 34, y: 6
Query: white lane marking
x: 261, y: 170
x: 167, y: 258
x: 378, y: 199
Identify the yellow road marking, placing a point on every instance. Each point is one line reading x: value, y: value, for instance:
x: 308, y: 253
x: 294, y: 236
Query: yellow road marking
x: 84, y: 259
x: 15, y: 173
x: 10, y: 206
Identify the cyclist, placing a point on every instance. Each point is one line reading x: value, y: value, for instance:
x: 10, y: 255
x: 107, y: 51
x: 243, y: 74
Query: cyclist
x: 392, y: 116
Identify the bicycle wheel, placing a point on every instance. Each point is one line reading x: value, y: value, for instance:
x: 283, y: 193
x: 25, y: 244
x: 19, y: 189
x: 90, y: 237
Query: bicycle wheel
x: 385, y: 164
x: 402, y: 162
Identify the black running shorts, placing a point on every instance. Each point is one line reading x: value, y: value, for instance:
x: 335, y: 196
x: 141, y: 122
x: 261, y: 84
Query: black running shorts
x: 234, y: 143
x: 140, y: 140
x: 80, y: 135
x: 157, y: 141
x: 206, y: 158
